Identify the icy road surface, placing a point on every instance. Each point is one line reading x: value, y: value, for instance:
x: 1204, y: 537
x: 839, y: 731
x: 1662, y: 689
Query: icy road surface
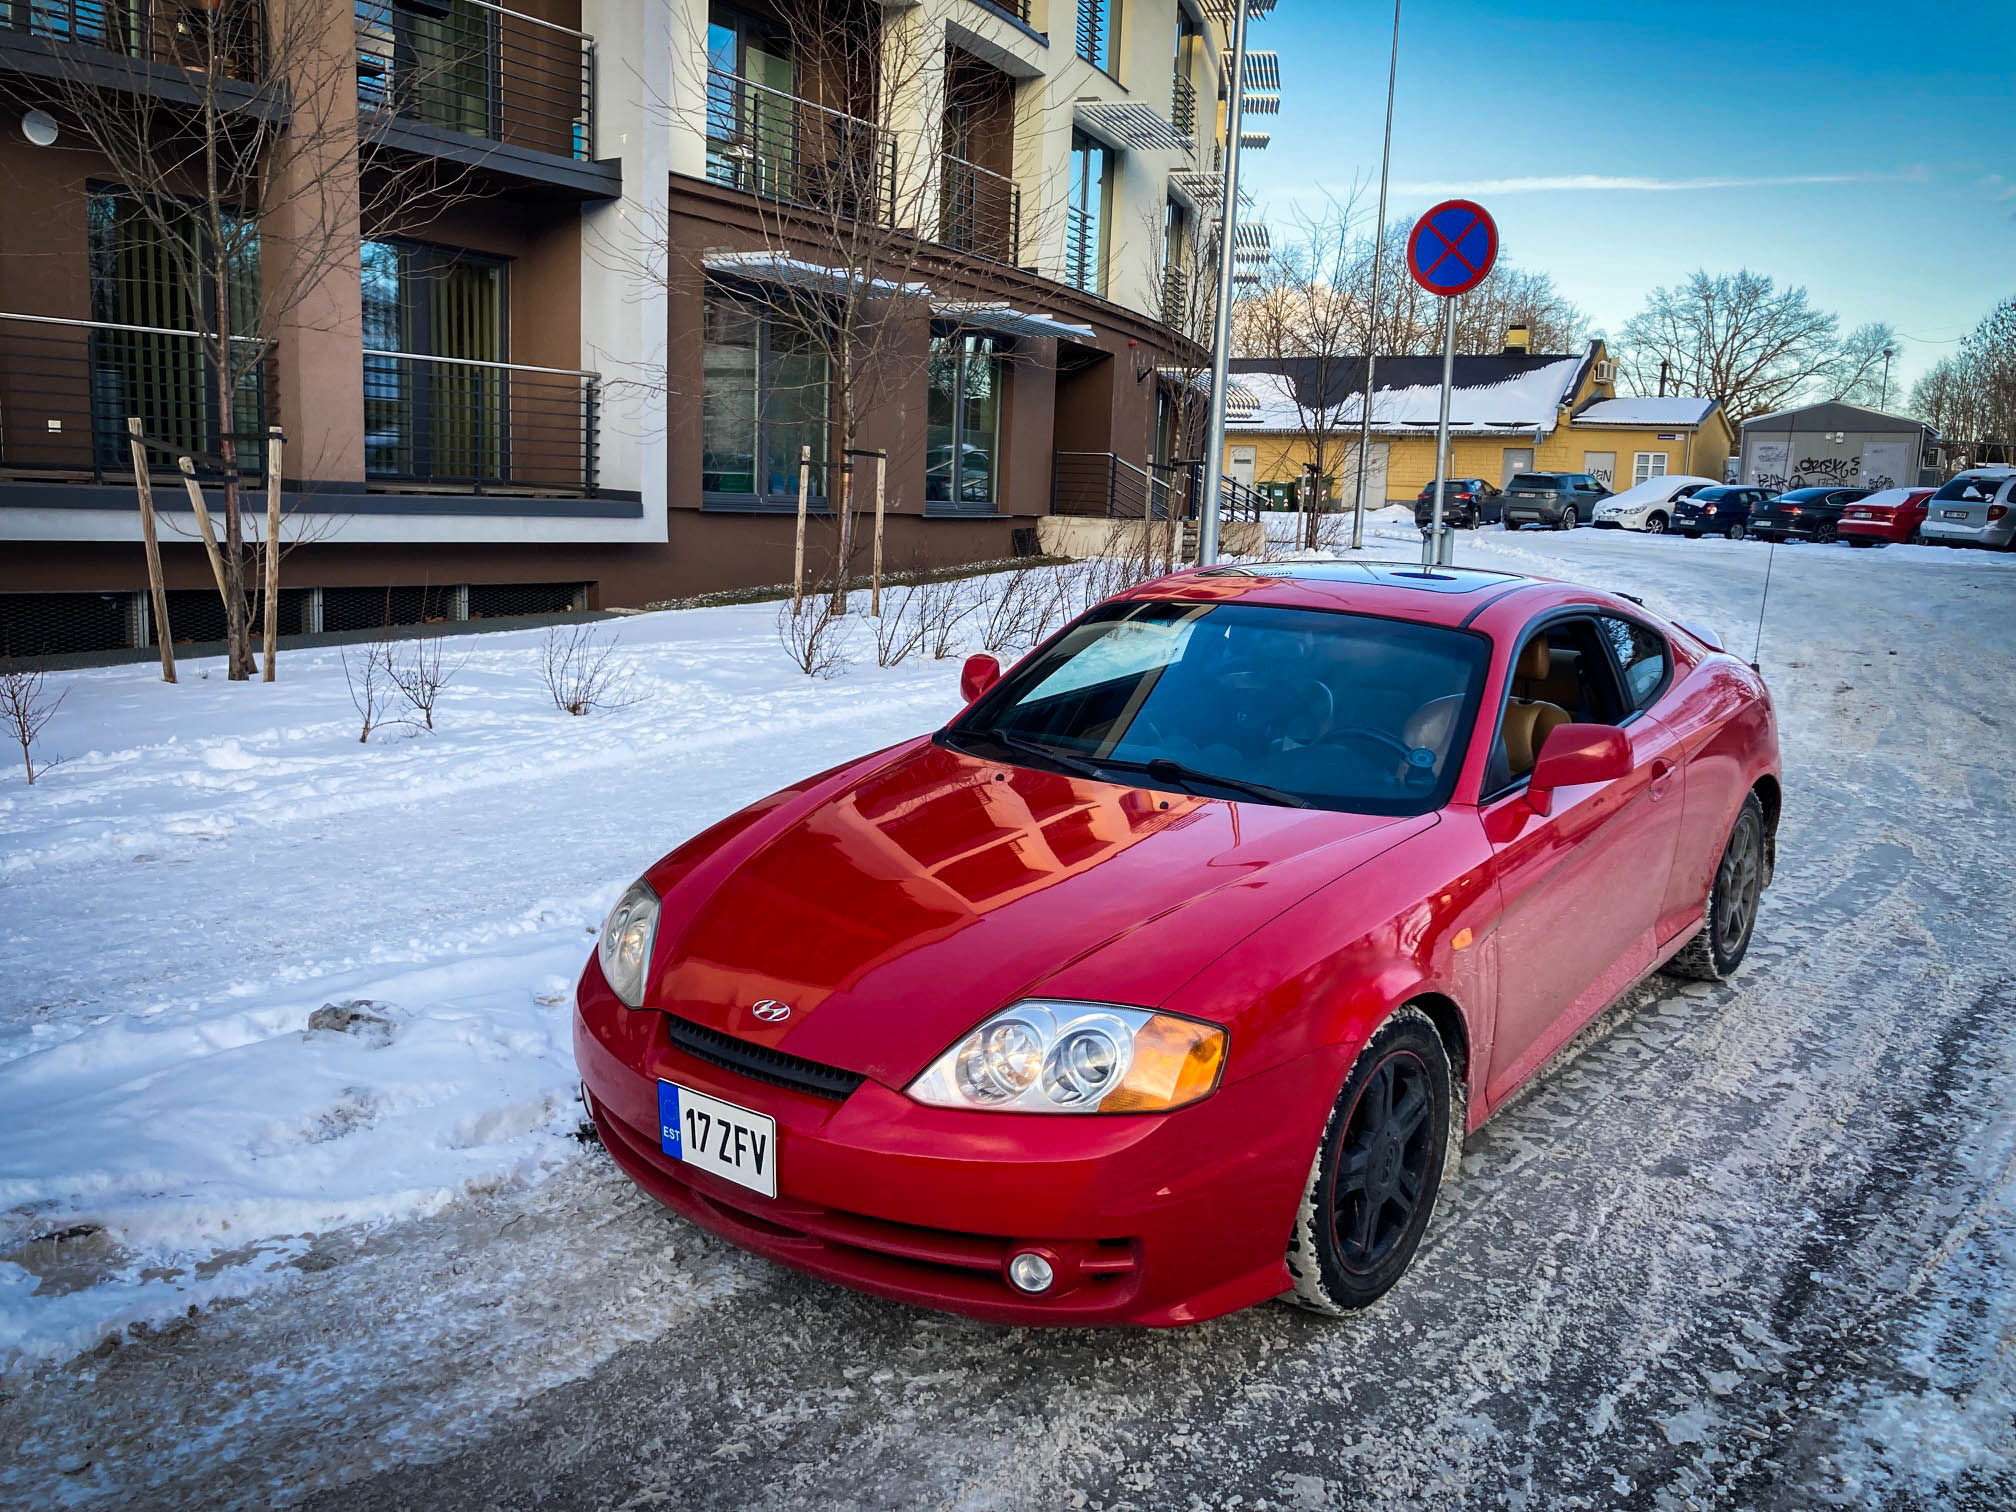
x: 1744, y: 1246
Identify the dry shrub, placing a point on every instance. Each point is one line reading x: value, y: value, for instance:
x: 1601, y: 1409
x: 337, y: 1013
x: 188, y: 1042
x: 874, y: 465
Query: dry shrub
x: 815, y: 634
x: 581, y: 674
x: 25, y: 706
x: 373, y: 682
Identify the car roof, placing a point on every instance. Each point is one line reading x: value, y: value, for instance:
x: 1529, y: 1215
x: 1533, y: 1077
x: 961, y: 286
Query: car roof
x: 1394, y: 590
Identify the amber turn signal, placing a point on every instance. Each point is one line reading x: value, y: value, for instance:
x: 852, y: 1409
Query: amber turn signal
x: 1176, y: 1062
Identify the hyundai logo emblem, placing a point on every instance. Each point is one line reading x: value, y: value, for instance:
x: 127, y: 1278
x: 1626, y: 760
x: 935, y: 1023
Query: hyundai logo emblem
x: 771, y: 1011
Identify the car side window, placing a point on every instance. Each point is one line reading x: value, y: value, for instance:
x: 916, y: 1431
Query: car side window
x: 1641, y: 657
x: 1562, y: 674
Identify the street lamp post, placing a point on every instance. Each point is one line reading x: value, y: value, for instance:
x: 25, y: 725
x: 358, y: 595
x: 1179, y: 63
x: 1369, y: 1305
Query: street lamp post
x: 1221, y: 337
x: 1372, y: 321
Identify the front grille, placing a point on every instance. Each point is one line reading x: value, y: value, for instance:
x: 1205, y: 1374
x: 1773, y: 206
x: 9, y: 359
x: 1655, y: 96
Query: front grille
x: 759, y: 1062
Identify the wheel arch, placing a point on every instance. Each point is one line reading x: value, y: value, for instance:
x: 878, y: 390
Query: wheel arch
x: 1771, y: 798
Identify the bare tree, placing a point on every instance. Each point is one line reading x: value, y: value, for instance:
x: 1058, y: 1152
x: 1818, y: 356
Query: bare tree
x: 1970, y: 397
x: 26, y: 705
x: 421, y: 674
x: 372, y: 683
x: 581, y: 673
x: 1736, y: 337
x: 943, y: 607
x: 241, y: 197
x: 1858, y: 372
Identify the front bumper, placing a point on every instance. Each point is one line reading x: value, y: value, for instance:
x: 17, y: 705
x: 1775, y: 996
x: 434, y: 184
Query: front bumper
x: 1149, y: 1219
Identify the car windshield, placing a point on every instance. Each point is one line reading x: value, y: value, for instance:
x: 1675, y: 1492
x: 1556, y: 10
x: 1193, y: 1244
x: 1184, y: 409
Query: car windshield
x: 1293, y: 706
x: 1534, y: 480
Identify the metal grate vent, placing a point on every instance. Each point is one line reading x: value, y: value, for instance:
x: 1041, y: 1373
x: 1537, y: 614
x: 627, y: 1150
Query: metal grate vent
x: 760, y: 1062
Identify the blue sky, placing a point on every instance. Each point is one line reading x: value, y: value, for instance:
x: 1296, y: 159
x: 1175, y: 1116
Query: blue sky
x: 1866, y: 151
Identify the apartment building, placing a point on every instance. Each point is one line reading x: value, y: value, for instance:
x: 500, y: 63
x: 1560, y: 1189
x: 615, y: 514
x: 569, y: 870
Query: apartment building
x: 560, y: 348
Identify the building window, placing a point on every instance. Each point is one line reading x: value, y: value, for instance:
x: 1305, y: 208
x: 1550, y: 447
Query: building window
x: 434, y: 334
x: 1085, y: 214
x: 963, y: 426
x: 149, y: 266
x: 1099, y: 32
x: 1648, y: 465
x: 752, y: 109
x: 763, y: 397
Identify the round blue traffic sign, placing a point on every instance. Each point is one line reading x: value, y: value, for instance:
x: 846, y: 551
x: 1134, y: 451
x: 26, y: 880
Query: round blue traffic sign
x: 1452, y: 247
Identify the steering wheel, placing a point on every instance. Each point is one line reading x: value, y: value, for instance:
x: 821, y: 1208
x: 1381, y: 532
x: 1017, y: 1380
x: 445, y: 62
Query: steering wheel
x: 1313, y: 711
x: 1392, y: 743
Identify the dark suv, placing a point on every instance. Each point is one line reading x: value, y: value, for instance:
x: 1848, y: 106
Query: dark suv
x: 1804, y: 514
x: 1723, y: 511
x: 1466, y: 504
x: 1560, y: 501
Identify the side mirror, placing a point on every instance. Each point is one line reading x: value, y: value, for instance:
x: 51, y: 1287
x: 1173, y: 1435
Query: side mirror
x: 1574, y: 754
x: 979, y: 674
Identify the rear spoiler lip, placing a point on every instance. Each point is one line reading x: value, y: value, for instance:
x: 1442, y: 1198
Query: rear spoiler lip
x: 1702, y: 634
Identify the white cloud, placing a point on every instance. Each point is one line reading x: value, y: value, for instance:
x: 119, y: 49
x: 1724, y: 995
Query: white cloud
x: 1613, y: 183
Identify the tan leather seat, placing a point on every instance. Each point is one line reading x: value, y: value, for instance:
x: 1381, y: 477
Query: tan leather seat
x: 1528, y: 721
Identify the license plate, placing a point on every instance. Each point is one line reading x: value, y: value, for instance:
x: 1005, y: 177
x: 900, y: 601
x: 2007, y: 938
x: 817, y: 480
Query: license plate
x: 733, y: 1143
x: 1954, y: 514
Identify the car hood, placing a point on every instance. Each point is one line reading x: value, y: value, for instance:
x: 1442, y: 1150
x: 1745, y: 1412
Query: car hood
x: 895, y: 904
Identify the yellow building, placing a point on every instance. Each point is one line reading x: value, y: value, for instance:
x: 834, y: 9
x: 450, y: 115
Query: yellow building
x: 1509, y: 412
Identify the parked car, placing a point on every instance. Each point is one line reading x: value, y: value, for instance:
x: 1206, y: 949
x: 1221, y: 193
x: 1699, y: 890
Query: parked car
x: 1804, y: 514
x: 1977, y: 508
x: 1648, y: 506
x: 1466, y: 504
x: 1892, y: 517
x: 1723, y: 511
x: 1148, y: 987
x: 1558, y: 500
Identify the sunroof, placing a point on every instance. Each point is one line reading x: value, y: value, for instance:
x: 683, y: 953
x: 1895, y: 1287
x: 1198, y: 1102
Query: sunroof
x: 1380, y: 574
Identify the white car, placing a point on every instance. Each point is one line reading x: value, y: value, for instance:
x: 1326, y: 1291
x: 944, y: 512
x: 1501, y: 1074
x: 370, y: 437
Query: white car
x: 1648, y: 506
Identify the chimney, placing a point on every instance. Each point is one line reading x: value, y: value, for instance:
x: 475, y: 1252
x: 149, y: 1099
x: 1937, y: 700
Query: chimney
x: 1519, y: 341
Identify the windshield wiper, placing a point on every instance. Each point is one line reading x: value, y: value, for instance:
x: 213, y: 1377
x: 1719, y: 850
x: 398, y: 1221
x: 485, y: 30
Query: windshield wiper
x: 1176, y: 771
x: 1040, y: 751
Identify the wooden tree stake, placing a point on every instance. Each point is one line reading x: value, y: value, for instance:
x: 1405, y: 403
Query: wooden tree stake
x: 144, y: 487
x: 798, y: 555
x: 881, y: 478
x: 274, y: 438
x: 203, y: 524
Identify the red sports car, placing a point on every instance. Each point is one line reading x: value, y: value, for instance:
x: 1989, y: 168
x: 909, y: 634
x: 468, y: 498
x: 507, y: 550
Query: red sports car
x: 1168, y: 975
x: 1891, y: 517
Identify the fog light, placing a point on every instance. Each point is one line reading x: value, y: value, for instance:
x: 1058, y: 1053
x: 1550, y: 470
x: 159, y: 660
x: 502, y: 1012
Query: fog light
x: 1030, y: 1272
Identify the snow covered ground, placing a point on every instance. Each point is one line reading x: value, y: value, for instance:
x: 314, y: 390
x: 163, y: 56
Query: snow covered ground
x: 1744, y: 1246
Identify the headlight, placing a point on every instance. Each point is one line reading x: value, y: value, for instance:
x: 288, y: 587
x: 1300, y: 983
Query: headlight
x: 625, y: 947
x: 1047, y: 1057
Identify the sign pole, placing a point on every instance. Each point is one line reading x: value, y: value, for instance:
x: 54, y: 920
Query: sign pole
x: 1221, y: 340
x: 1450, y: 251
x: 1438, y: 550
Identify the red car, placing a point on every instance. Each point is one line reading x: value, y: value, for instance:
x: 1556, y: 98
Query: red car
x: 1167, y: 976
x: 1891, y: 517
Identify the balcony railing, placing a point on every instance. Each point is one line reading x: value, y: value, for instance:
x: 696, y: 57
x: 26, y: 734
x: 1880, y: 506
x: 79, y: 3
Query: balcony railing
x: 68, y: 386
x: 476, y: 68
x: 781, y: 147
x: 1183, y: 104
x: 484, y: 427
x: 1176, y: 296
x: 227, y: 38
x: 980, y: 211
x: 1084, y: 252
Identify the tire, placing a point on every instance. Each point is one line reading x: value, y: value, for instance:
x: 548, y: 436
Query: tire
x: 1567, y: 520
x: 1826, y: 534
x: 1351, y: 1244
x: 1656, y: 525
x: 1735, y: 531
x: 1729, y: 916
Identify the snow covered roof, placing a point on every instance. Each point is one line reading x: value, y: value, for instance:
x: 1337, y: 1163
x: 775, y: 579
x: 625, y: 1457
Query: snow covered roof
x: 1689, y: 410
x: 1528, y: 402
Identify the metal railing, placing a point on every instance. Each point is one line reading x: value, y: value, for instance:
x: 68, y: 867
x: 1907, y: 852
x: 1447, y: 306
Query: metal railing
x: 774, y: 144
x: 467, y: 424
x: 68, y: 386
x: 980, y: 211
x: 1095, y: 38
x: 1183, y: 103
x: 225, y: 39
x: 1176, y: 297
x: 1110, y: 487
x: 1019, y: 9
x: 473, y: 67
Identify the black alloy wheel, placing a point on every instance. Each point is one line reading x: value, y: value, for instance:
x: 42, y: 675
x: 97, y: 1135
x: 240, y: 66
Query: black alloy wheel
x: 1826, y: 532
x: 1730, y: 915
x: 1372, y: 1189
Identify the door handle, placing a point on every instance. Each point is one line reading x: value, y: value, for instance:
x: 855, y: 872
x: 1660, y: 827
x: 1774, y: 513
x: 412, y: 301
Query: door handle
x: 1662, y: 778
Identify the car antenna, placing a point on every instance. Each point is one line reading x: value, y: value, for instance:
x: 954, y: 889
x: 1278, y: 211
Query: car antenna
x: 1771, y: 558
